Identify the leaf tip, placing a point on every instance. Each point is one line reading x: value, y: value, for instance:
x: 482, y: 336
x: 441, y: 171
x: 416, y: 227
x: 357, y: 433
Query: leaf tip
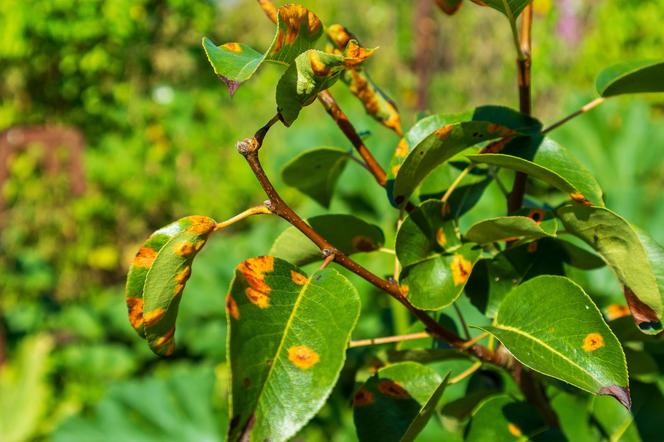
x: 620, y: 393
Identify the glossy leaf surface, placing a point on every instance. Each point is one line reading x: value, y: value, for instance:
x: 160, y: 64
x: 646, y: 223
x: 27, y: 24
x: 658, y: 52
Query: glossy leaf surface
x: 631, y: 78
x: 298, y: 29
x: 356, y: 236
x: 574, y: 345
x: 316, y: 172
x: 635, y: 259
x: 288, y: 335
x: 509, y: 228
x: 157, y: 278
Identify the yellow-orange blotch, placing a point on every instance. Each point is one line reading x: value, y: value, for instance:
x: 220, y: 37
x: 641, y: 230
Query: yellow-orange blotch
x: 592, y: 342
x: 183, y: 275
x: 159, y: 342
x: 363, y: 398
x: 298, y: 278
x: 145, y: 257
x: 444, y: 131
x: 303, y: 357
x: 135, y: 308
x: 259, y: 299
x: 402, y: 148
x: 392, y: 389
x: 615, y: 311
x: 232, y: 308
x: 578, y: 197
x: 317, y: 65
x: 201, y: 225
x: 254, y: 270
x: 233, y: 47
x: 461, y: 269
x: 339, y: 35
x: 440, y: 237
x: 514, y: 430
x: 184, y: 248
x: 154, y: 316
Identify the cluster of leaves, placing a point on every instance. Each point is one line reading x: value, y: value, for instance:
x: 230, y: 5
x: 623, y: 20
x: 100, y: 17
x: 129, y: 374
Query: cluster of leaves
x: 288, y: 330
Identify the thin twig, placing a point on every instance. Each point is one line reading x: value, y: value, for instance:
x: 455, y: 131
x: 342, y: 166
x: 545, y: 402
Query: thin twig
x: 464, y: 374
x: 456, y: 183
x: 328, y: 259
x: 388, y: 339
x: 462, y: 320
x: 589, y: 106
x: 258, y: 210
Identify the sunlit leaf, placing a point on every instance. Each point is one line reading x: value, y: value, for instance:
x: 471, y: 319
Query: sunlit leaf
x: 552, y: 326
x: 315, y: 172
x: 157, y: 278
x: 635, y: 258
x: 631, y: 78
x: 356, y: 236
x: 288, y: 334
x: 510, y: 228
x: 297, y: 31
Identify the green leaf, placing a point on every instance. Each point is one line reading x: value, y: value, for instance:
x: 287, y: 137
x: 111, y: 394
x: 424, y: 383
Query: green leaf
x: 287, y: 342
x: 425, y: 233
x: 386, y: 405
x: 356, y: 236
x: 449, y: 7
x: 437, y: 281
x: 573, y: 344
x: 635, y: 258
x: 297, y: 31
x: 313, y: 71
x: 316, y: 172
x: 157, y: 278
x: 425, y: 413
x: 631, y: 78
x: 509, y: 228
x: 511, y: 8
x: 554, y: 165
x: 501, y: 418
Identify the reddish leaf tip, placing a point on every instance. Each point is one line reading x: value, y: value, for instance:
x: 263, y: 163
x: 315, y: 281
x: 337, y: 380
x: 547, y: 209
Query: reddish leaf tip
x: 232, y: 84
x: 620, y: 393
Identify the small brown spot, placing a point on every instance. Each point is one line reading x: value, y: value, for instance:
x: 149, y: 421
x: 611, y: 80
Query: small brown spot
x: 298, y: 278
x: 578, y: 197
x: 303, y: 357
x: 592, y: 342
x: 440, y: 236
x: 363, y: 243
x: 444, y: 131
x: 145, y: 257
x: 201, y: 225
x: 160, y: 341
x: 232, y: 308
x: 537, y: 215
x: 615, y: 311
x: 362, y: 398
x: 232, y: 47
x: 403, y: 288
x: 154, y: 316
x: 135, y: 309
x: 246, y: 382
x: 392, y: 389
x: 514, y: 430
x: 532, y: 247
x: 461, y: 269
x: 496, y: 146
x: 184, y: 248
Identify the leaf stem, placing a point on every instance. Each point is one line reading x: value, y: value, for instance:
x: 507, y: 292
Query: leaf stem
x: 257, y: 210
x: 462, y: 320
x: 464, y: 374
x: 589, y: 106
x: 456, y: 183
x: 388, y: 339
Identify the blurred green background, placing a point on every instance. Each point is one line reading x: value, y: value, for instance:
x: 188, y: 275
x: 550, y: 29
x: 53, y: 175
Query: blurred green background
x: 158, y: 131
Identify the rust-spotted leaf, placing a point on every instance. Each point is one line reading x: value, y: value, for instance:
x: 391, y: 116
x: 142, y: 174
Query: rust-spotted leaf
x: 157, y: 278
x: 288, y: 334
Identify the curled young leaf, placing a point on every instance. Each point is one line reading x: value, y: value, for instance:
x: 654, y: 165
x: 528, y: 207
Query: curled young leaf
x: 298, y: 29
x: 631, y: 78
x: 288, y: 334
x: 157, y: 278
x: 510, y: 228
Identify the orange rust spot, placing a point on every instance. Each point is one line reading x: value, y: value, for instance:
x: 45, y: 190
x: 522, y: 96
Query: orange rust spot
x: 303, y: 357
x: 578, y: 197
x: 201, y: 225
x: 145, y: 257
x: 292, y: 18
x: 198, y: 245
x: 183, y: 275
x: 404, y: 289
x: 514, y: 430
x: 151, y: 318
x: 362, y: 89
x: 615, y: 311
x: 392, y: 389
x: 402, y: 148
x: 317, y: 66
x: 444, y: 131
x: 179, y: 288
x: 298, y: 278
x: 254, y: 270
x: 532, y: 247
x: 363, y: 243
x: 592, y: 342
x: 184, y: 248
x: 260, y: 299
x: 171, y: 348
x: 339, y: 35
x: 440, y: 236
x: 355, y: 54
x: 537, y: 215
x: 232, y: 308
x: 135, y: 309
x: 162, y: 340
x: 496, y: 146
x: 232, y: 47
x: 363, y: 398
x: 394, y: 120
x: 461, y: 269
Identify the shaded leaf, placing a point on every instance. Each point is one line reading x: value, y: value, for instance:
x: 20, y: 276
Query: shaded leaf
x: 631, y: 78
x: 511, y: 8
x: 463, y: 198
x: 554, y: 165
x: 449, y: 7
x: 288, y: 335
x: 316, y: 172
x: 298, y: 29
x: 575, y: 345
x: 356, y: 236
x: 157, y: 278
x: 422, y: 419
x: 636, y: 259
x: 438, y: 280
x: 509, y: 228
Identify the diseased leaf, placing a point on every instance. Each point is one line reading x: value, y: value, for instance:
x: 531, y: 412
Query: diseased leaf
x: 376, y: 103
x: 437, y: 281
x: 157, y: 278
x: 356, y: 236
x: 631, y: 78
x: 288, y: 335
x: 298, y: 29
x: 313, y: 71
x: 386, y: 405
x: 449, y: 7
x: 506, y: 228
x: 554, y: 165
x: 511, y: 8
x: 315, y: 172
x: 635, y: 258
x: 551, y: 326
x: 502, y: 419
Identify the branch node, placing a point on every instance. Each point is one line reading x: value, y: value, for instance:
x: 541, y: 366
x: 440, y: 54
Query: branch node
x: 248, y: 146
